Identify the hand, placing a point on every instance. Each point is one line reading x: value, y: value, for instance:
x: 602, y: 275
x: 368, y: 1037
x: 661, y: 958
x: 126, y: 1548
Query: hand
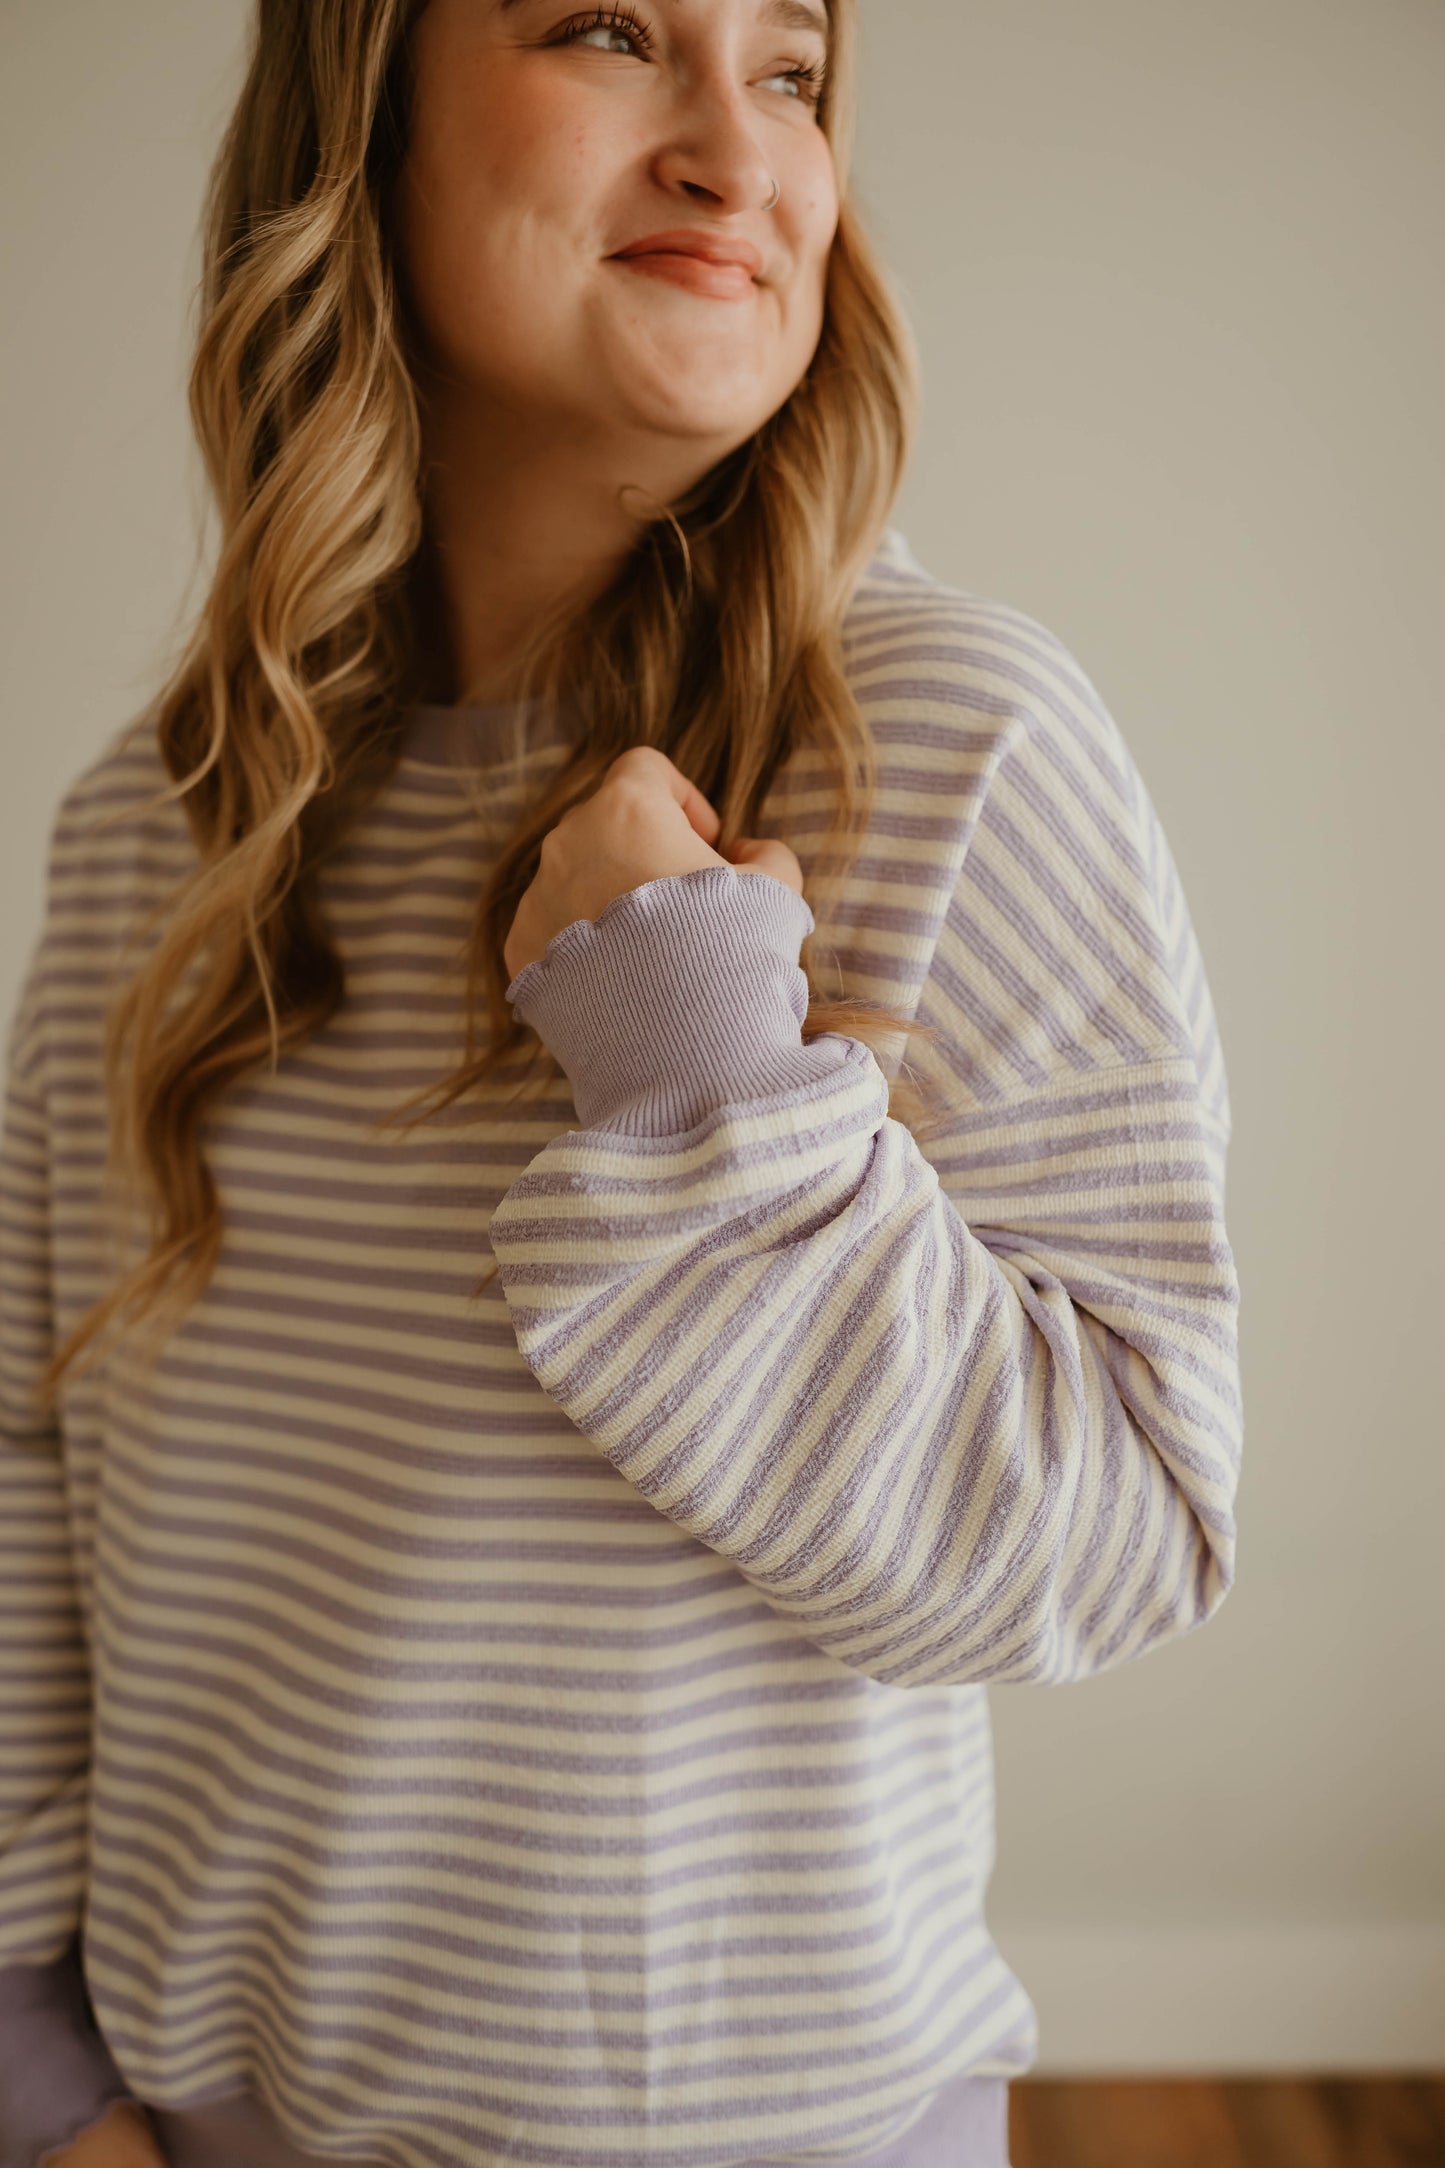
x: 123, y: 2138
x: 644, y: 821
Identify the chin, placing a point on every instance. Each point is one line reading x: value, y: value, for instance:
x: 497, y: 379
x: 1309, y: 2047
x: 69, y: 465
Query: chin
x: 719, y: 407
x: 717, y: 427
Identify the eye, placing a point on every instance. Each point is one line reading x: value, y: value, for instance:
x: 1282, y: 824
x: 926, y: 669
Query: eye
x: 807, y: 82
x: 612, y: 22
x: 609, y: 30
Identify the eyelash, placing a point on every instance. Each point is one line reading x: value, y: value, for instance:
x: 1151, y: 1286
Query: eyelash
x: 811, y: 75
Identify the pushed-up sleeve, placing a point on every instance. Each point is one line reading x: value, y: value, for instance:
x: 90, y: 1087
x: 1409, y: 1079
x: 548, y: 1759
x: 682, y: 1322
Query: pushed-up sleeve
x: 963, y: 1411
x: 57, y: 2076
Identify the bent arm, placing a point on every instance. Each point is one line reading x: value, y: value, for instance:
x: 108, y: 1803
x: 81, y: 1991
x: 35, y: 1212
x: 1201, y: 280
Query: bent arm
x: 948, y: 1451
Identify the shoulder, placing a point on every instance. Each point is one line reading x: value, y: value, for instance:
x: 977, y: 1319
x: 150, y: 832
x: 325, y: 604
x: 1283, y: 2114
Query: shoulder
x: 997, y: 676
x: 108, y: 840
x: 118, y: 781
x: 1068, y: 942
x: 1004, y: 714
x: 118, y: 838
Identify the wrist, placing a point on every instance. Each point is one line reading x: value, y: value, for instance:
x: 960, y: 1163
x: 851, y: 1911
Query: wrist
x: 684, y: 995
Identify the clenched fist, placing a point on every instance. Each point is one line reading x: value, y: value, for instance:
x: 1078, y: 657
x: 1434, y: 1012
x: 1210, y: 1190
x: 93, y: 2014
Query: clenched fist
x: 644, y: 821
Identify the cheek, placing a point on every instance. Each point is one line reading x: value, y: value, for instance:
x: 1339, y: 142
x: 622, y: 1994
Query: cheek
x: 817, y: 229
x: 496, y: 177
x: 522, y: 142
x: 814, y: 224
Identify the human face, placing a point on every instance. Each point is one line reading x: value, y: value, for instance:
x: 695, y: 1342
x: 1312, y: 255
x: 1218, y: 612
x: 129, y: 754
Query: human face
x: 542, y: 142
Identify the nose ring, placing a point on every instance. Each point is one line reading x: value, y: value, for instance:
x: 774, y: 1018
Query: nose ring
x: 772, y: 200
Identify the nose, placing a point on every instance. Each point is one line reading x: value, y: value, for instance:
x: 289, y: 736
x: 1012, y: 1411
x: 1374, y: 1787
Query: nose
x: 712, y: 149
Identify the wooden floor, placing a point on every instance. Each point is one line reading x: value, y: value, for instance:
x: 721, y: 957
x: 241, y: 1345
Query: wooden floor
x: 1310, y: 2122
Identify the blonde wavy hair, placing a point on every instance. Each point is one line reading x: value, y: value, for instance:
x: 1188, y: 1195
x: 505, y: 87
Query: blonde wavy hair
x: 720, y: 641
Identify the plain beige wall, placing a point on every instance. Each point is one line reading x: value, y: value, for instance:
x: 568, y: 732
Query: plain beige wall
x: 1176, y: 275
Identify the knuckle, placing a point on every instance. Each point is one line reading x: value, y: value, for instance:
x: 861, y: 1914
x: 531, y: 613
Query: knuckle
x: 639, y: 760
x: 629, y: 794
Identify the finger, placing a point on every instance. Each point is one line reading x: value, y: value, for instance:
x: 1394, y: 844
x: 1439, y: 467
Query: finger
x: 765, y: 854
x: 701, y: 813
x: 649, y: 761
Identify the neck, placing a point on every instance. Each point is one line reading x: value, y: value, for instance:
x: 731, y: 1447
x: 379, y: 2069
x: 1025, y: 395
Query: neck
x: 521, y: 519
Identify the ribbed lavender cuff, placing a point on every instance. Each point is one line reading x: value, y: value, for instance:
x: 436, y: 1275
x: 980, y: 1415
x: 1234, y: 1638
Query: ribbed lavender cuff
x: 685, y: 995
x: 56, y: 2072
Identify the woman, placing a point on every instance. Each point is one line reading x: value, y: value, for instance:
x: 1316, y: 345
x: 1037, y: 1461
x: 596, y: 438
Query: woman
x: 537, y: 1710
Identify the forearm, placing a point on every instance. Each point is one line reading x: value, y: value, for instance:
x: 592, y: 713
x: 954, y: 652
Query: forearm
x: 948, y: 1456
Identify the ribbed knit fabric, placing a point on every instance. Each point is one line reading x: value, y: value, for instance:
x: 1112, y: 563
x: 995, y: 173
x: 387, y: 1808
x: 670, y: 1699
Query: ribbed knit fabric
x: 552, y: 1727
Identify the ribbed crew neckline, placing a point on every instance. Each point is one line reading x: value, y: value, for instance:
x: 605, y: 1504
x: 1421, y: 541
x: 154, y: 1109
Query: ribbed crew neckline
x: 478, y: 733
x: 483, y: 733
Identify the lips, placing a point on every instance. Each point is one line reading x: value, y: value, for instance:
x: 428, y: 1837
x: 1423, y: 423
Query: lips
x: 706, y: 247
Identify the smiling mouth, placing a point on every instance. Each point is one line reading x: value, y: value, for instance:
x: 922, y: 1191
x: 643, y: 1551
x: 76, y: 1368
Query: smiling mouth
x: 696, y: 274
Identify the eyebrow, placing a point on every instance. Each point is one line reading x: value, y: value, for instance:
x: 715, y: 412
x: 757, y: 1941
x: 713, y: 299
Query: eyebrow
x: 782, y: 14
x: 795, y: 15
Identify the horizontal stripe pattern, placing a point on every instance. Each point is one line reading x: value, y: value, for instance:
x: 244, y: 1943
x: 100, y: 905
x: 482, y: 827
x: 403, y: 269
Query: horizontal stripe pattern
x: 550, y: 1723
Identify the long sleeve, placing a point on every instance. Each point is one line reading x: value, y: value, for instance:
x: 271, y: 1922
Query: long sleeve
x: 969, y: 1414
x: 56, y: 2072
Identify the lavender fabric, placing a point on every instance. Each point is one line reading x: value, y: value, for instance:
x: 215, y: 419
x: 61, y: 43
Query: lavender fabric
x: 649, y: 1048
x: 545, y: 1719
x: 59, y: 2079
x: 57, y: 2075
x: 965, y: 2126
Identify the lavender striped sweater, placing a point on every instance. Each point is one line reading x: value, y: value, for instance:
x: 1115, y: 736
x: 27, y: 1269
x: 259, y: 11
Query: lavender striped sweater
x: 553, y: 1728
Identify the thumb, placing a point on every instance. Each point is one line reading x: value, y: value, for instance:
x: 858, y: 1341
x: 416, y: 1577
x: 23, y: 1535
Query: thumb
x: 765, y: 854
